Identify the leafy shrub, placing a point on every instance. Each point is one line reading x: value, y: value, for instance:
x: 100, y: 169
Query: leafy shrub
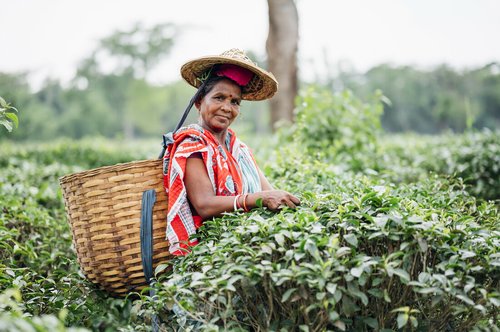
x: 338, y: 127
x: 15, y: 320
x: 39, y: 275
x: 379, y: 243
x: 341, y: 130
x: 86, y: 154
x: 473, y: 157
x: 8, y: 117
x: 369, y: 256
x: 363, y: 252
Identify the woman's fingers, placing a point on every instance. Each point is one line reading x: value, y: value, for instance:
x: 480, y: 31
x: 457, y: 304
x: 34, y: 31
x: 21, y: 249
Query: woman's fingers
x: 278, y: 199
x: 295, y: 200
x: 290, y: 201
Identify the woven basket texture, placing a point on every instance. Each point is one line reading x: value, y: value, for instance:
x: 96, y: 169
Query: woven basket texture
x: 103, y: 207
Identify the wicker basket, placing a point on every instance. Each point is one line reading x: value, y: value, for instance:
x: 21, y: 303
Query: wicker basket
x: 103, y: 206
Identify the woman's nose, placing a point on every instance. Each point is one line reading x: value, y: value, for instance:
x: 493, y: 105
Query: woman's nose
x: 225, y: 107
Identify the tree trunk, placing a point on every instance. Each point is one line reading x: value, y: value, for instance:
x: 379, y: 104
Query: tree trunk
x: 282, y: 44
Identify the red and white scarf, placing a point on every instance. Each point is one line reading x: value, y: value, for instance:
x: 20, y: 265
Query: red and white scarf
x: 231, y: 168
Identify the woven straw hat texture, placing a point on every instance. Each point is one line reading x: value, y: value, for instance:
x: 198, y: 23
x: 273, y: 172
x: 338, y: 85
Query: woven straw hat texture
x: 262, y: 86
x: 103, y: 207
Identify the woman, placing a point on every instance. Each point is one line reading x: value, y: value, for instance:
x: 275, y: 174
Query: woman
x: 208, y: 170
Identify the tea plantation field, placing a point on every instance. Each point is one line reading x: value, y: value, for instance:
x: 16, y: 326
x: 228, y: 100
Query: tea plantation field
x: 395, y: 233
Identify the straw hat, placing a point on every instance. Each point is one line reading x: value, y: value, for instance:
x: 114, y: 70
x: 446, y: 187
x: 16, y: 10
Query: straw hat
x: 262, y: 86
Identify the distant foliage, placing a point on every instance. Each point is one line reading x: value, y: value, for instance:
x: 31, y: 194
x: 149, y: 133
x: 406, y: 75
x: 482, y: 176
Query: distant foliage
x: 473, y: 157
x: 122, y: 103
x: 431, y: 101
x: 83, y: 154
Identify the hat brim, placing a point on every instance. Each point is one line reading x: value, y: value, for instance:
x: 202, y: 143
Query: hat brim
x: 262, y: 86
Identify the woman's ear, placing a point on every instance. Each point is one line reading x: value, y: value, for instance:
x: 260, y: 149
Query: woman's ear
x: 197, y: 103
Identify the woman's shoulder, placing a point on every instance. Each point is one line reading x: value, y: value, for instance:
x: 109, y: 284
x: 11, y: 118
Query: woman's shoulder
x: 192, y: 129
x: 192, y: 132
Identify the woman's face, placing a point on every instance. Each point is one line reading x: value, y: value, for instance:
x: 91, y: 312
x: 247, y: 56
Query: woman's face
x: 220, y: 106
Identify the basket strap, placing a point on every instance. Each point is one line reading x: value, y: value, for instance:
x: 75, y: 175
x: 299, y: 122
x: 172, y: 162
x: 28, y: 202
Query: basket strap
x: 148, y: 201
x: 183, y: 118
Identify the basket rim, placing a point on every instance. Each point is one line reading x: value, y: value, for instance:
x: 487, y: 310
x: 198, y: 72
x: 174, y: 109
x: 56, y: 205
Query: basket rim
x: 105, y: 169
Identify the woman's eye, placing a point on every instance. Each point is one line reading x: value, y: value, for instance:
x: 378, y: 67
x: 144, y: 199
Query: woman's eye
x: 235, y: 102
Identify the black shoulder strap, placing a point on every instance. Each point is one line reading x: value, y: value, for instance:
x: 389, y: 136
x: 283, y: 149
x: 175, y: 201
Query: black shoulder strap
x: 183, y: 118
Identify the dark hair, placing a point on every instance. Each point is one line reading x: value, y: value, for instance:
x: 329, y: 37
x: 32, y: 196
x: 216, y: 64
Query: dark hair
x: 204, y: 89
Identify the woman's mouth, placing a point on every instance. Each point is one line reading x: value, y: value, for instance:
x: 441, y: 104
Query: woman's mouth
x: 222, y: 116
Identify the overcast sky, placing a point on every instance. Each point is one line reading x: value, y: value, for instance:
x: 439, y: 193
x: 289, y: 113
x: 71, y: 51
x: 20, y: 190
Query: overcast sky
x: 50, y: 37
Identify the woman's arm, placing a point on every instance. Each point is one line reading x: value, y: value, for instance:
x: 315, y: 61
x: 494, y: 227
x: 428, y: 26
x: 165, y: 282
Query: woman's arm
x: 200, y: 191
x: 263, y: 181
x: 202, y: 197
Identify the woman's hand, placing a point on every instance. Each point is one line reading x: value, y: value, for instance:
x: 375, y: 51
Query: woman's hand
x: 275, y: 199
x: 206, y: 204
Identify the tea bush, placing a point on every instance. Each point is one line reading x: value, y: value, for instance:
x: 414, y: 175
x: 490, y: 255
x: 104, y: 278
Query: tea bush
x: 8, y: 116
x: 86, y: 154
x: 474, y: 157
x: 393, y: 234
x: 41, y: 287
x: 368, y: 256
x: 369, y: 248
x: 344, y: 132
x: 337, y: 127
x: 12, y: 317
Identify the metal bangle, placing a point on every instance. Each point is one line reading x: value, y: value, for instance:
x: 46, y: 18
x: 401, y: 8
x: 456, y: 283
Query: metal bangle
x: 235, y: 202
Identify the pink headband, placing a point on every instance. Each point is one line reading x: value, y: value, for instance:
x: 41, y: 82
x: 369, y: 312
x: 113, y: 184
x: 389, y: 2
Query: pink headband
x: 238, y: 74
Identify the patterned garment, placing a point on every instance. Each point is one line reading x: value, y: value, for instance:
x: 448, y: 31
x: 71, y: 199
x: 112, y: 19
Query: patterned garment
x: 231, y: 168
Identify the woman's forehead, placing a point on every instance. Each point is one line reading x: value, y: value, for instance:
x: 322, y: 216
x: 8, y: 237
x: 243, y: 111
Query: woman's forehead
x: 228, y: 87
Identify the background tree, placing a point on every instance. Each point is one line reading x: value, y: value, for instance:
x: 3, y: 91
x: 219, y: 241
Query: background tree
x: 281, y: 46
x: 429, y: 100
x: 134, y: 53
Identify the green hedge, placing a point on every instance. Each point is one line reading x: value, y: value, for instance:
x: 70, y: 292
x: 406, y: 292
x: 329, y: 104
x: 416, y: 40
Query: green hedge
x: 368, y: 256
x: 377, y: 244
x: 393, y: 234
x: 41, y: 286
